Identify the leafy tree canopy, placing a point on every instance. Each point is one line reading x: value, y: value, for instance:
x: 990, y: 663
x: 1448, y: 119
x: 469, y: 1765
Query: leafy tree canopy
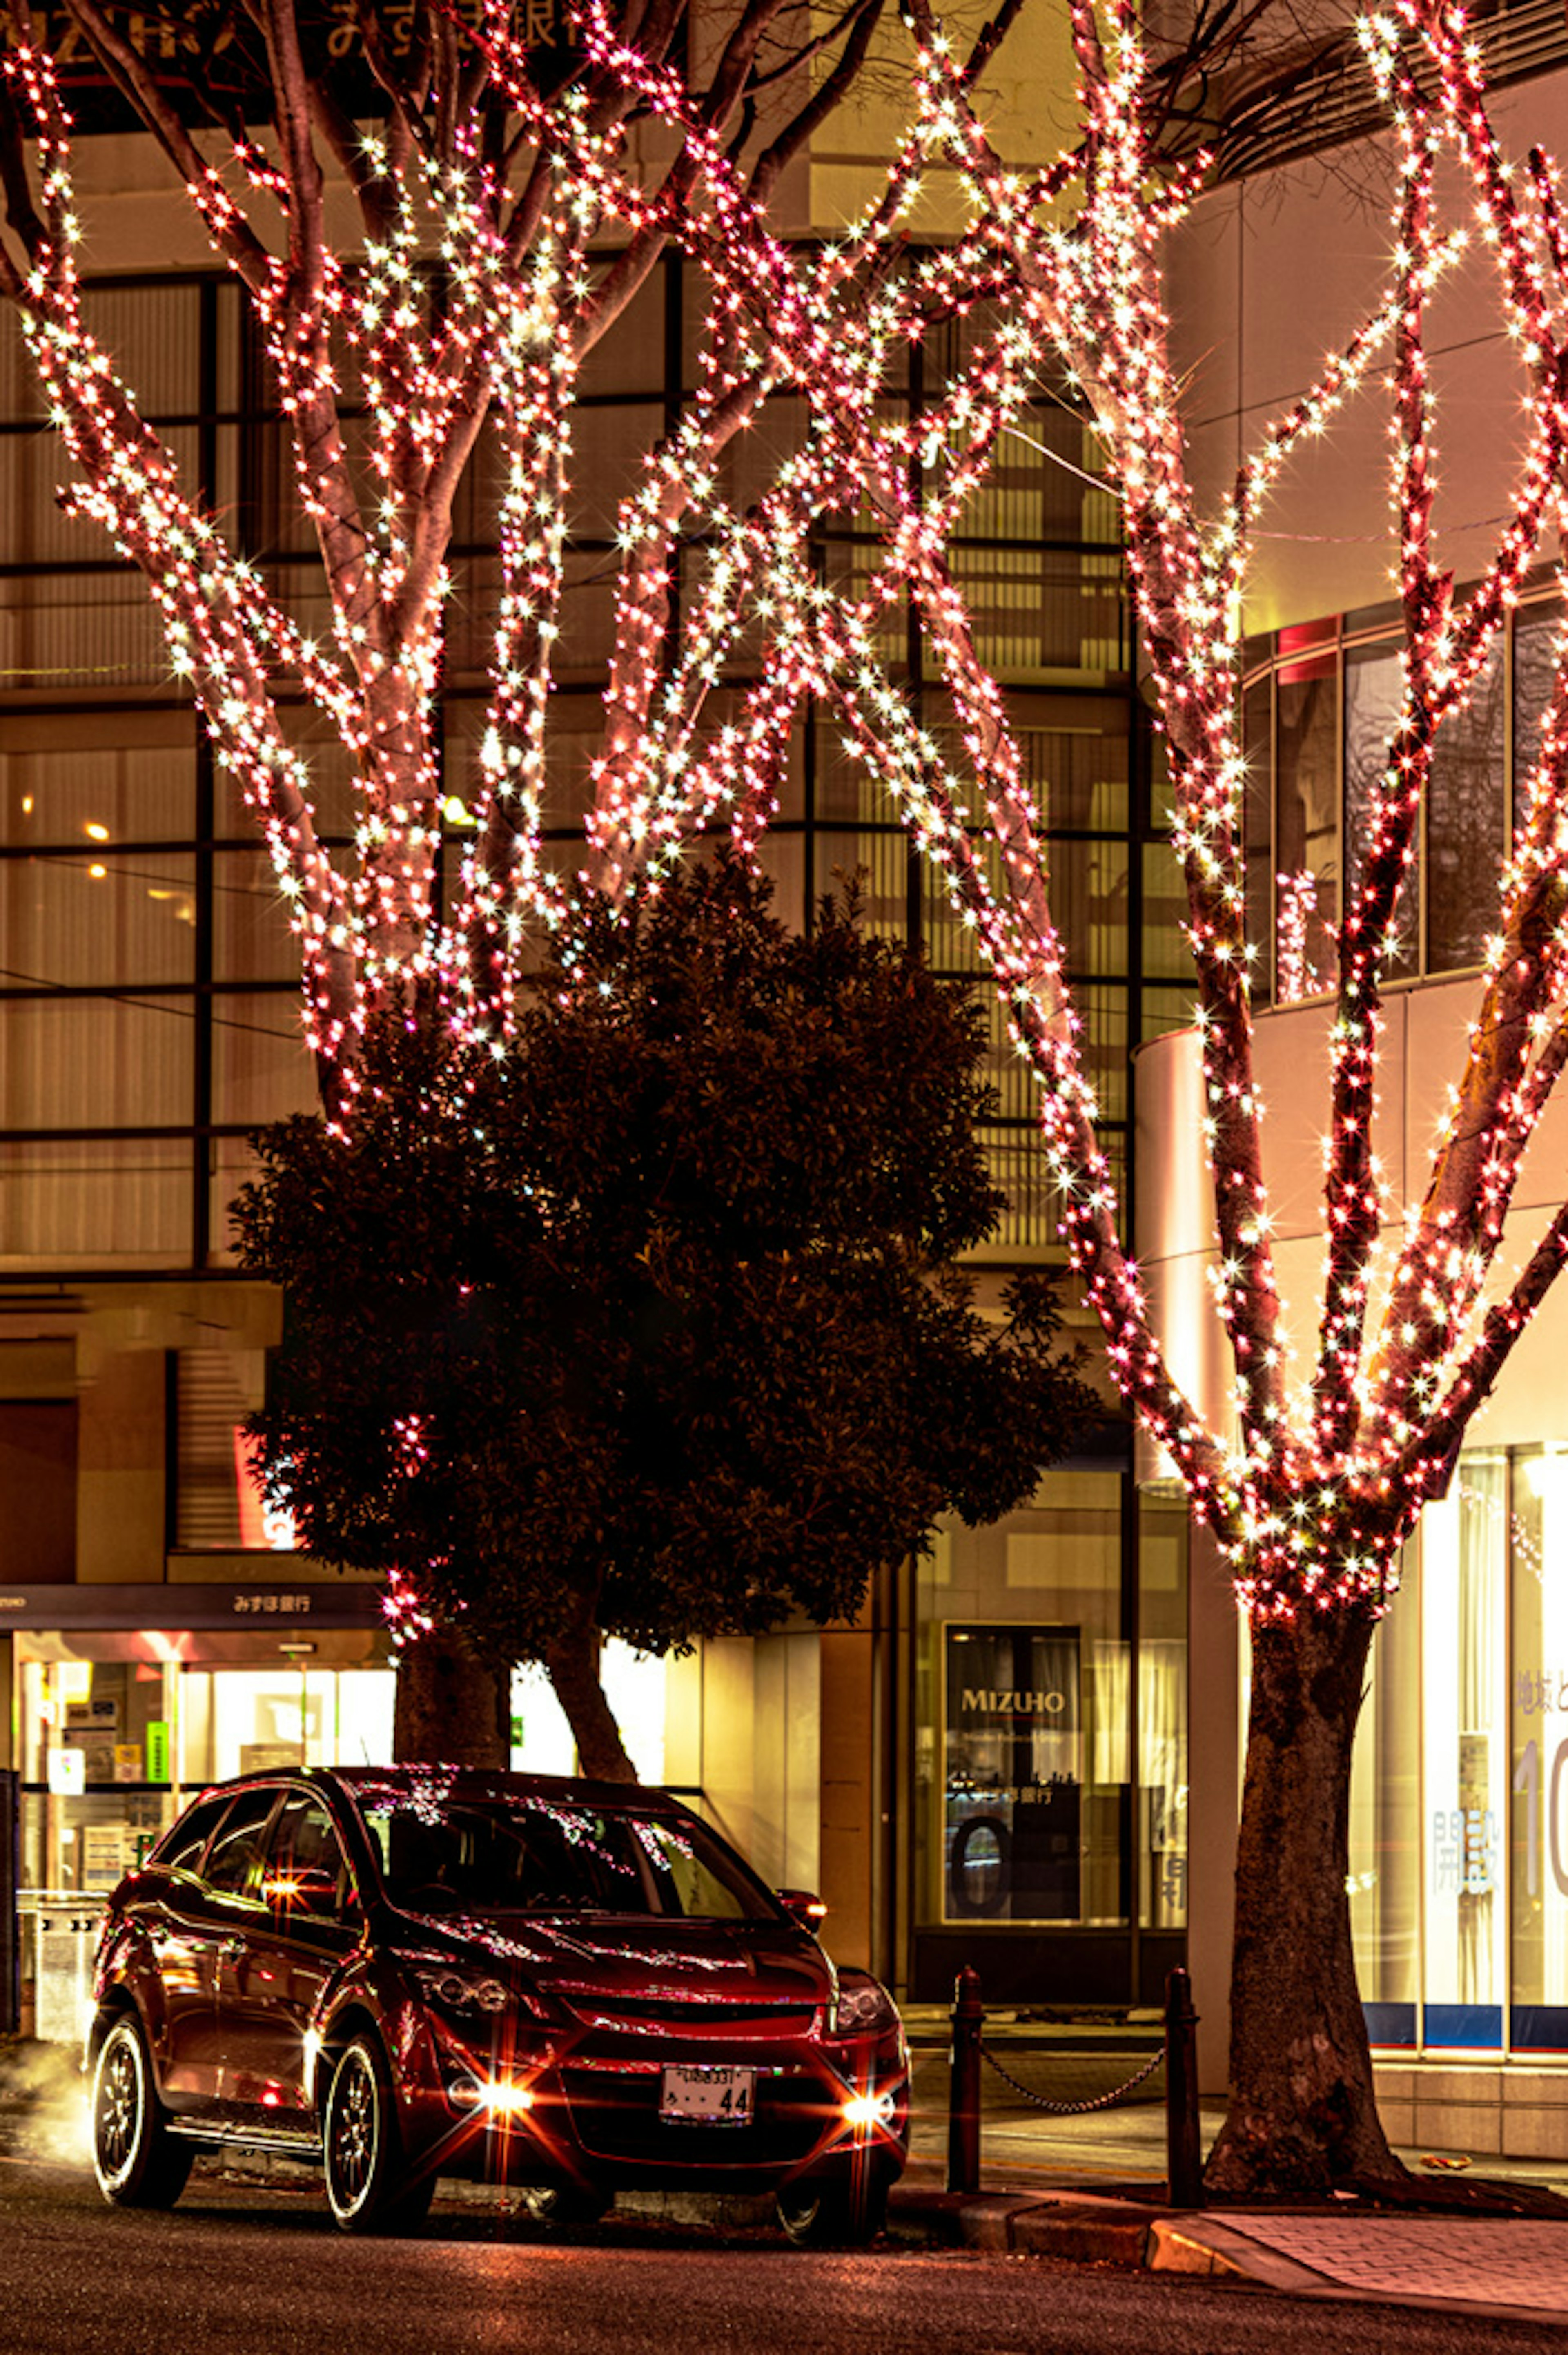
x: 653, y: 1326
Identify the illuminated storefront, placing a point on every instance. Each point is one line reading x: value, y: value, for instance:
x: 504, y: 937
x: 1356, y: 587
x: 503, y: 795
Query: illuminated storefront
x: 1459, y: 1824
x: 1049, y: 1825
x: 130, y: 1697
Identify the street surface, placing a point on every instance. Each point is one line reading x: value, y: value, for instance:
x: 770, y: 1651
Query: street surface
x: 249, y: 2269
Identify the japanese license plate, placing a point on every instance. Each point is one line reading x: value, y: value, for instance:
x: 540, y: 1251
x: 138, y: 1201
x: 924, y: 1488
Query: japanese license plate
x: 698, y: 2095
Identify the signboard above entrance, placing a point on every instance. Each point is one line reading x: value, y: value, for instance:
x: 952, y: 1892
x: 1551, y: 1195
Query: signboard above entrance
x: 345, y: 1602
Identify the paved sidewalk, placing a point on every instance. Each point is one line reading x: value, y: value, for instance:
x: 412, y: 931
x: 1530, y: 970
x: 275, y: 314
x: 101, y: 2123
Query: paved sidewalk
x: 1088, y: 2189
x: 1513, y: 2267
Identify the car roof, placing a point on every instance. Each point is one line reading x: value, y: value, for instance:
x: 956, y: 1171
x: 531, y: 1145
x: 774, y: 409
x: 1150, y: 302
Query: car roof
x: 365, y: 1785
x: 486, y: 1782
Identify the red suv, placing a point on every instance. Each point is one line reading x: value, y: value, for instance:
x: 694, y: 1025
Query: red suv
x: 414, y: 1971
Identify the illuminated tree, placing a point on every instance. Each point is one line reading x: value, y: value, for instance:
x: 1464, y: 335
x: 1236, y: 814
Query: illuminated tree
x: 399, y: 193
x: 416, y: 238
x: 1313, y: 1490
x: 1312, y: 1493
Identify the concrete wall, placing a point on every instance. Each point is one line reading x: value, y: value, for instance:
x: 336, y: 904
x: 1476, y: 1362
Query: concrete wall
x: 1425, y: 1033
x: 1268, y: 276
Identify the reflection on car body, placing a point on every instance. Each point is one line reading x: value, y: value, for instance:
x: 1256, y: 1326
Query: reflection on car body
x: 406, y: 1972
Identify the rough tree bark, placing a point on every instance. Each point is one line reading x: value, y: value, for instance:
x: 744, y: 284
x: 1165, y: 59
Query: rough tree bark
x: 1302, y: 2117
x: 573, y: 1665
x: 451, y: 1707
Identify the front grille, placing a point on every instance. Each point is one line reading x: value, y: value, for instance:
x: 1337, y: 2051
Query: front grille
x: 661, y: 2014
x: 616, y: 2116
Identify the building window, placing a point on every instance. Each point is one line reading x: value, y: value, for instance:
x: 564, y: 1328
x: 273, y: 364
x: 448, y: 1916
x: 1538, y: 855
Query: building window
x: 220, y: 1505
x: 1051, y: 1659
x: 1459, y: 1801
x: 1537, y: 1761
x: 1318, y: 709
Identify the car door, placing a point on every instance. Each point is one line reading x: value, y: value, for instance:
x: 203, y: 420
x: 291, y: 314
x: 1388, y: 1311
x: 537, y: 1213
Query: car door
x: 231, y: 1910
x: 309, y: 1921
x: 171, y: 1962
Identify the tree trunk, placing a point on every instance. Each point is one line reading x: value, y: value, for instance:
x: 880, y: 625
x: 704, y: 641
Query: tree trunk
x: 1302, y: 2116
x: 573, y: 1665
x: 451, y: 1708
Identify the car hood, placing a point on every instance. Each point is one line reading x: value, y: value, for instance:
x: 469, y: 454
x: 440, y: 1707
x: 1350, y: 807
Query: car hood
x: 742, y: 1963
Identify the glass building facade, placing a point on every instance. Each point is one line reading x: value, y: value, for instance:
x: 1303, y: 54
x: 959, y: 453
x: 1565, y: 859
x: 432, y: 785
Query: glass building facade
x: 1049, y: 1737
x: 1319, y: 702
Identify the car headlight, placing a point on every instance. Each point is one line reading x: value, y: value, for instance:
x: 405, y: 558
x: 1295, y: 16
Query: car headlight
x: 863, y: 2006
x: 453, y: 1989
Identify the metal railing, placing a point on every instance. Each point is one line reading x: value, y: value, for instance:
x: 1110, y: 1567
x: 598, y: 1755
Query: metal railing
x: 1178, y: 2052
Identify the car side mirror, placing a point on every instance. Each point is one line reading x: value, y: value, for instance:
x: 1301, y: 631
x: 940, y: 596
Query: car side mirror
x: 803, y: 1906
x: 308, y: 1890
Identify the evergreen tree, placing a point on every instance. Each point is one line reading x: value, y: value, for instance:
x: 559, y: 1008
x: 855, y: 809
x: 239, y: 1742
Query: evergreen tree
x: 654, y: 1328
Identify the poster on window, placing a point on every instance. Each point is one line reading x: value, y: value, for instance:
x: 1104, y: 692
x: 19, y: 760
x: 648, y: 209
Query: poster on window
x: 1012, y: 1773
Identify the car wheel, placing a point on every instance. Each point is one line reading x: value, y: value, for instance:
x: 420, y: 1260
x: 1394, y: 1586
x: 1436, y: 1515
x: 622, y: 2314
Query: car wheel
x: 138, y: 2162
x: 818, y: 2215
x: 362, y: 2158
x: 565, y: 2203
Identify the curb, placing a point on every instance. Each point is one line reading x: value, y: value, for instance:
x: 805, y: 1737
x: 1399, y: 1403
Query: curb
x: 1079, y: 2229
x: 1173, y: 2250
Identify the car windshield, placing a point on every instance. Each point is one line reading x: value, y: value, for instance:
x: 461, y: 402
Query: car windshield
x: 527, y: 1854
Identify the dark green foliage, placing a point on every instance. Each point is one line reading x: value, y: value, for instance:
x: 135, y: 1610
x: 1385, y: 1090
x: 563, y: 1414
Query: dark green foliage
x: 669, y: 1289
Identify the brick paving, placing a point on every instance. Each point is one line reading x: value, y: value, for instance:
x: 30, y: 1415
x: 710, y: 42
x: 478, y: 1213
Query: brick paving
x: 1519, y: 2264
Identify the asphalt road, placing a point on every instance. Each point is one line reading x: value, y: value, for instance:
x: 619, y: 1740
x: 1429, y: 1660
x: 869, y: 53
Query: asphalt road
x: 243, y: 2269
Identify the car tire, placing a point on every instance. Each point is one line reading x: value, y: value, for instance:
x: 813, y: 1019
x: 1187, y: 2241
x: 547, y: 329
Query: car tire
x: 565, y: 2203
x: 138, y: 2162
x: 837, y: 2214
x: 367, y: 2188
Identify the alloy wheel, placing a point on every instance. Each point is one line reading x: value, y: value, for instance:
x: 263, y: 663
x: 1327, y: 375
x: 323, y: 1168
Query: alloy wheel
x: 355, y: 2130
x: 117, y: 2109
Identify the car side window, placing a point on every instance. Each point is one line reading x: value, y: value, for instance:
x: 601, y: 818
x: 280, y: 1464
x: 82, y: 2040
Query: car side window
x: 181, y: 1850
x: 306, y: 1867
x: 234, y: 1860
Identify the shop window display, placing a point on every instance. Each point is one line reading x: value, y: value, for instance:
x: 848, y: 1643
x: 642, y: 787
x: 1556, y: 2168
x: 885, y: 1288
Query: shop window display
x: 1030, y: 1714
x: 1538, y: 1719
x: 1459, y: 1802
x: 112, y: 1748
x: 1162, y: 1707
x: 239, y: 1721
x: 1012, y: 1773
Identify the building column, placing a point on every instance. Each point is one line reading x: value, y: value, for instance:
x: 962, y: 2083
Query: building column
x: 851, y: 1830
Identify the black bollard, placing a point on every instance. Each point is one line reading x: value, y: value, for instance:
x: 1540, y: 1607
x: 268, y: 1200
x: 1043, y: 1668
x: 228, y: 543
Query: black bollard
x: 964, y: 2100
x: 1184, y: 2157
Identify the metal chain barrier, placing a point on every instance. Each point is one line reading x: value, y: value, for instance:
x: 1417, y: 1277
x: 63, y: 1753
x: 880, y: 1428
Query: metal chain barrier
x: 1075, y: 2109
x: 1178, y: 2054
